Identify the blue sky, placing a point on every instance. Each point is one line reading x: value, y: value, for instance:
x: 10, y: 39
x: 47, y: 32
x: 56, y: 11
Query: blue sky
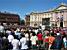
x: 23, y: 7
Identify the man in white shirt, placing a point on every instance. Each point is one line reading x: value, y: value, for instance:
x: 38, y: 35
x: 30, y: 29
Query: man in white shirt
x: 15, y: 43
x: 1, y: 28
x: 27, y: 36
x: 33, y: 41
x: 23, y: 43
x: 10, y: 38
x: 65, y: 41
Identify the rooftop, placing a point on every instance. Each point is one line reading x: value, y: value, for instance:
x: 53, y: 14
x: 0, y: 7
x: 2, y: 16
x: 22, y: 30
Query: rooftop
x: 9, y: 13
x: 56, y: 8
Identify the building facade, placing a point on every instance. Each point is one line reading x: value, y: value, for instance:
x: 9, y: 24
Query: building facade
x: 8, y: 18
x: 27, y: 20
x: 56, y: 17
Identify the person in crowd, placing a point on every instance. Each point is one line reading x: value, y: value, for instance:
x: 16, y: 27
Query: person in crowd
x: 23, y: 43
x: 15, y: 43
x: 8, y: 31
x: 1, y: 28
x: 18, y: 34
x: 0, y: 41
x: 46, y: 31
x: 5, y: 43
x: 36, y: 30
x: 65, y: 41
x: 57, y: 44
x: 46, y: 42
x: 34, y: 41
x: 27, y: 36
x: 12, y: 31
x: 10, y: 38
x: 29, y: 33
x: 51, y: 39
x: 40, y: 38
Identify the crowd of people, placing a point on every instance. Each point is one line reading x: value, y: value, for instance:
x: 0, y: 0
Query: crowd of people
x: 56, y: 39
x: 17, y: 39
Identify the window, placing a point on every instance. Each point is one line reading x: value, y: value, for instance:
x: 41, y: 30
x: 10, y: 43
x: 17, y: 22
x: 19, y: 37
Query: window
x: 46, y: 21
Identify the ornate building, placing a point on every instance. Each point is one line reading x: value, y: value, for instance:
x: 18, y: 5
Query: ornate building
x: 9, y: 18
x: 56, y: 17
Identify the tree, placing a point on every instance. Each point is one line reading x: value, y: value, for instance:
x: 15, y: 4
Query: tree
x: 22, y: 22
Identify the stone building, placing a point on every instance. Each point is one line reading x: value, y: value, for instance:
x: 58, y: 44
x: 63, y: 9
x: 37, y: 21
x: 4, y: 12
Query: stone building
x: 27, y: 20
x: 56, y: 17
x: 9, y: 18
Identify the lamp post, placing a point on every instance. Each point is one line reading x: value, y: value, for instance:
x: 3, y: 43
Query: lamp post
x: 61, y: 18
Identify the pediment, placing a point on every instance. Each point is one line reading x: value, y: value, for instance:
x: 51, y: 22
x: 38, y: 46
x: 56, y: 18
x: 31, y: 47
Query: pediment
x: 62, y: 7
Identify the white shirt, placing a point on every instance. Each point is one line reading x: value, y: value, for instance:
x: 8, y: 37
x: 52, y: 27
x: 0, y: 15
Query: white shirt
x: 64, y: 39
x: 1, y: 28
x: 58, y: 33
x: 10, y: 38
x: 33, y: 40
x: 23, y: 42
x: 46, y: 36
x: 15, y: 44
x: 26, y: 35
x: 36, y: 31
x: 8, y: 32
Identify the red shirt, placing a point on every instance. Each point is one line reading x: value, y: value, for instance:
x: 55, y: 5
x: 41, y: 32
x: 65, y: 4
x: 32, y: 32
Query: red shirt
x: 39, y: 36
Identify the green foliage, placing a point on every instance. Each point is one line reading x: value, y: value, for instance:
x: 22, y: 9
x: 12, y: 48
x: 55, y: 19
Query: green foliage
x: 22, y: 22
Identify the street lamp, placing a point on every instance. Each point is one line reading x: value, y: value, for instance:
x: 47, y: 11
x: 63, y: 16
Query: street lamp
x: 61, y: 18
